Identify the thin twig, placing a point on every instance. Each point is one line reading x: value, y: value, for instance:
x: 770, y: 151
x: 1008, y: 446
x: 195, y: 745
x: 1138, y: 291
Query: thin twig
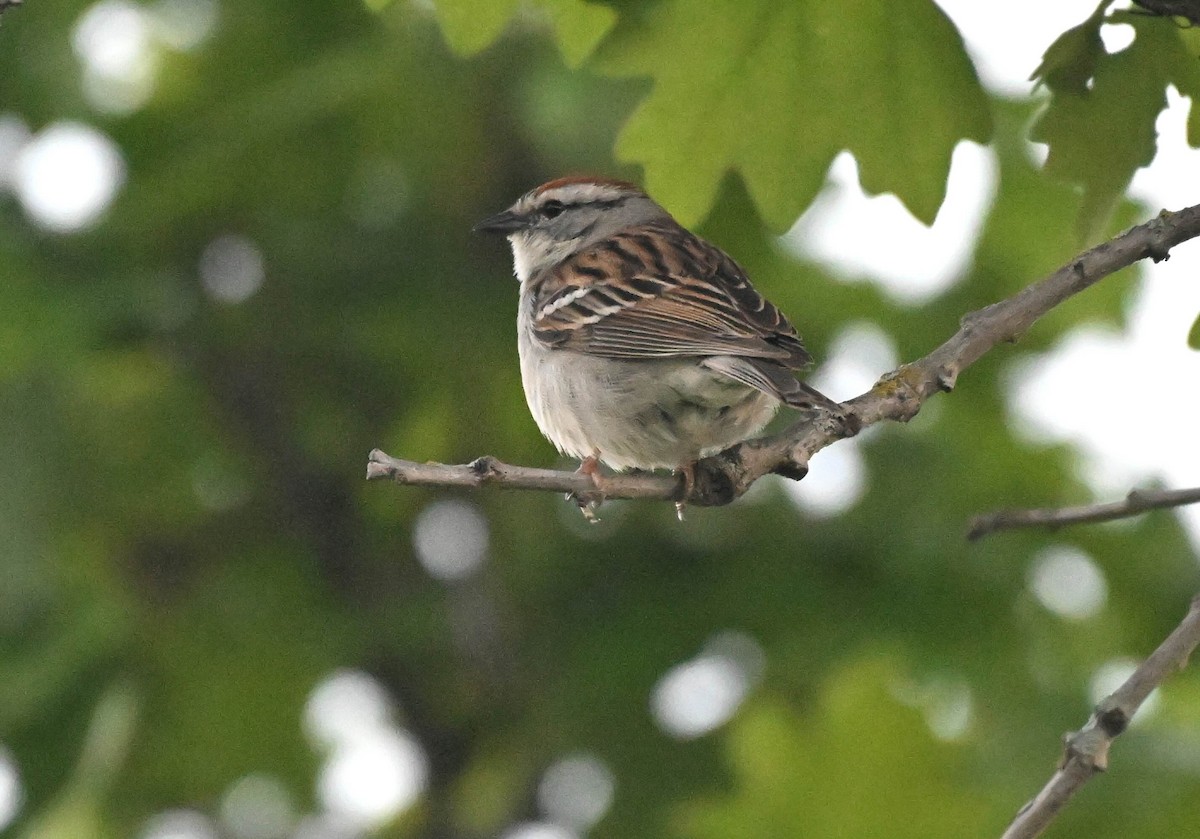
x: 489, y: 470
x: 1136, y: 502
x: 1085, y: 752
x: 897, y: 396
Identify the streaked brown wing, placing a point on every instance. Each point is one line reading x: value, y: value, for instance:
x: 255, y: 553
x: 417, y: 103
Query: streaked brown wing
x: 659, y: 294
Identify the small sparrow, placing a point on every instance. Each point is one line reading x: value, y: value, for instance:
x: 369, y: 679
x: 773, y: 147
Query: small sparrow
x: 642, y: 345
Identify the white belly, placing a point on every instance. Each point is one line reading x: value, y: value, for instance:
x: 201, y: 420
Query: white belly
x: 652, y: 414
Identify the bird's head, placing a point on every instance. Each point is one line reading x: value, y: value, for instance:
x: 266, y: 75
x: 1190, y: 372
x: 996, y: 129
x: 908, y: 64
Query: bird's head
x: 557, y: 219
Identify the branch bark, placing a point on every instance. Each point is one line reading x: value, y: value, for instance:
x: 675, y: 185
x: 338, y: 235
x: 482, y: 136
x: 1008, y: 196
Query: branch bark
x: 1136, y: 502
x: 897, y: 396
x: 1085, y: 752
x: 1187, y: 9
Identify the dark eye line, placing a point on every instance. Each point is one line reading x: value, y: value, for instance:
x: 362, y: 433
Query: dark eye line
x: 554, y: 208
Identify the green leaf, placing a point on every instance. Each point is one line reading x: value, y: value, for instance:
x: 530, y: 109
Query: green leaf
x: 809, y: 776
x: 1193, y: 124
x: 579, y: 27
x: 473, y: 25
x: 1184, y: 67
x: 1069, y: 62
x: 1099, y: 138
x: 781, y: 88
x: 1194, y: 334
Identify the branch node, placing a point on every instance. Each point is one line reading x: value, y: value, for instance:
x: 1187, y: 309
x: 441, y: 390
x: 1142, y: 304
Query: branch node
x: 1085, y: 752
x: 1137, y: 500
x: 947, y: 377
x: 792, y: 471
x: 1087, y: 748
x: 485, y: 467
x: 1157, y: 247
x: 795, y: 467
x: 899, y: 386
x: 1112, y: 719
x: 967, y: 323
x: 378, y: 465
x: 851, y: 424
x: 714, y: 484
x: 981, y: 525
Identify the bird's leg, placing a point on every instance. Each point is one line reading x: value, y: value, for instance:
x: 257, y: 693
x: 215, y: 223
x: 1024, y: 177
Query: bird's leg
x: 688, y: 470
x: 589, y: 501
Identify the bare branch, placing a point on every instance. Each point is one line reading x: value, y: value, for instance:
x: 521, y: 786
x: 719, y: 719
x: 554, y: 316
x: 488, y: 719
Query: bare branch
x: 1187, y: 9
x: 1138, y: 501
x: 1085, y: 752
x: 489, y: 470
x: 897, y: 396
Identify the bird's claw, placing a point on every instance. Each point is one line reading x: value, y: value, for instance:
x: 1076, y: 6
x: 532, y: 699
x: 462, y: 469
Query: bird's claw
x: 688, y: 471
x: 589, y: 502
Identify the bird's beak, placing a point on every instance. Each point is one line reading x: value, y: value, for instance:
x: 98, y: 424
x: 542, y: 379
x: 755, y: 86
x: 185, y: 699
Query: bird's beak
x: 505, y: 222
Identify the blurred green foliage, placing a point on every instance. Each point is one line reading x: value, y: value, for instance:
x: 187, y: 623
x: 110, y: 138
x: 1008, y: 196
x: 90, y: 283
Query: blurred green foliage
x: 1119, y: 94
x: 188, y: 547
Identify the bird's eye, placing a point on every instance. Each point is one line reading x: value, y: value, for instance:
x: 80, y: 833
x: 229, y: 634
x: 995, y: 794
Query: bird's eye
x: 552, y: 209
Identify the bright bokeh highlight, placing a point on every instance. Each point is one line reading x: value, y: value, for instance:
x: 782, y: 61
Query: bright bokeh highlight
x: 67, y: 176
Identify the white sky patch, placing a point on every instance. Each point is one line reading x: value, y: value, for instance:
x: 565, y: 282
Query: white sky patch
x: 112, y: 37
x: 1096, y: 390
x: 950, y: 710
x: 451, y: 539
x: 702, y: 694
x: 1066, y: 581
x: 1116, y: 36
x: 1006, y: 40
x: 67, y: 176
x: 257, y: 806
x: 576, y: 791
x: 11, y: 792
x: 346, y: 705
x: 373, y: 769
x: 539, y: 830
x: 836, y: 480
x: 371, y: 780
x: 119, y: 44
x: 858, y: 355
x: 876, y: 238
x: 14, y: 134
x: 183, y: 24
x: 114, y: 44
x: 324, y: 826
x: 1125, y: 400
x: 232, y: 268
x: 179, y: 824
x: 698, y: 696
x: 947, y: 703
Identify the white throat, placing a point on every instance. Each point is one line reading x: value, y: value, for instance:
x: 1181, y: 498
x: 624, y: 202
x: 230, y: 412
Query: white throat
x: 535, y: 252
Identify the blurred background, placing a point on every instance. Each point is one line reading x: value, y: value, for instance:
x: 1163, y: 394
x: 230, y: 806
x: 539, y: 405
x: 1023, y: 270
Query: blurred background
x: 235, y: 256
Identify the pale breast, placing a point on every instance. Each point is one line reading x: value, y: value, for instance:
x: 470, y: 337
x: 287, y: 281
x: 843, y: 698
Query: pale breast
x: 651, y: 414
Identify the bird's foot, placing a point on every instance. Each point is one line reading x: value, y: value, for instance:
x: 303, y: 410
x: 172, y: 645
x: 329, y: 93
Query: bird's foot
x: 590, y: 501
x: 688, y: 471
